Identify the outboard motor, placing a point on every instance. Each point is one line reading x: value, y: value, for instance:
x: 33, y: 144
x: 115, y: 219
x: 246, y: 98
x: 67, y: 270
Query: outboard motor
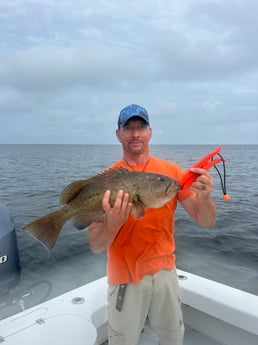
x: 10, y: 270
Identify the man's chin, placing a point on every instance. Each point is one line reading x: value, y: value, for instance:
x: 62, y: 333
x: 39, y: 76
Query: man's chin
x: 136, y: 149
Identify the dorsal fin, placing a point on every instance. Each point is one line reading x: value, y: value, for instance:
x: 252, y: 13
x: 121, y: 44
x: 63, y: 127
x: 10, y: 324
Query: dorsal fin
x: 74, y: 188
x: 71, y: 191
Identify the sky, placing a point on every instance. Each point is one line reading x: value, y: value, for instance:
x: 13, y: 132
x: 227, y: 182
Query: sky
x: 68, y: 67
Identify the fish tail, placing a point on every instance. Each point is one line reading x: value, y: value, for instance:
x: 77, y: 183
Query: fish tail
x: 46, y: 229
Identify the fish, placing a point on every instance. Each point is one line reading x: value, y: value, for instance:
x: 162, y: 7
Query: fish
x: 84, y: 198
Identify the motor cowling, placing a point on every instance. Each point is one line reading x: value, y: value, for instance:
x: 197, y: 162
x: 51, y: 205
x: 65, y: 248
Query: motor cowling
x: 10, y: 270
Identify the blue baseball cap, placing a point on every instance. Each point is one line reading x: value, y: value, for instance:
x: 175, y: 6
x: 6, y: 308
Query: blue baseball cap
x: 132, y: 110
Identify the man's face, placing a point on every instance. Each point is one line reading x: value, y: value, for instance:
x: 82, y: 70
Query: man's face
x: 134, y: 136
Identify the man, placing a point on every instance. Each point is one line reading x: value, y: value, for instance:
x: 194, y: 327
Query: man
x: 141, y: 267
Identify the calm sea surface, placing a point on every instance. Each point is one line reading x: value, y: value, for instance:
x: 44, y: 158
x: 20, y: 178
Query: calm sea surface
x: 32, y: 177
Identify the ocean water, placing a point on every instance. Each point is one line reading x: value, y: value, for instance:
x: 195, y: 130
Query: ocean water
x: 32, y: 177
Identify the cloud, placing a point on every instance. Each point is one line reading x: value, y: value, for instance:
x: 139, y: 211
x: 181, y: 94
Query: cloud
x: 66, y: 68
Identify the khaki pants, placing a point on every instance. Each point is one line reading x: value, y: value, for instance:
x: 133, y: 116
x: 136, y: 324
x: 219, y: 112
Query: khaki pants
x: 156, y: 297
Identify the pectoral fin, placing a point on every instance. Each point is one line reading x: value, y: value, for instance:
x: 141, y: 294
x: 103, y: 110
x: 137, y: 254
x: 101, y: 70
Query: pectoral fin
x: 138, y: 211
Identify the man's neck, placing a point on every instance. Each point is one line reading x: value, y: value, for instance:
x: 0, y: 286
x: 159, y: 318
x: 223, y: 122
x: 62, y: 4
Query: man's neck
x: 136, y: 159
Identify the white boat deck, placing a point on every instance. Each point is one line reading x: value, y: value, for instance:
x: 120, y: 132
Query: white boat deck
x: 196, y: 338
x: 191, y: 338
x: 214, y: 314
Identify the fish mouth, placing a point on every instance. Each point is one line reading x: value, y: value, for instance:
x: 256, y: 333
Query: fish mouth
x: 170, y: 188
x: 178, y: 187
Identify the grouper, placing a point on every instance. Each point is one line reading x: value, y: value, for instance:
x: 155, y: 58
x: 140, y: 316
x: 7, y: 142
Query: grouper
x: 84, y: 197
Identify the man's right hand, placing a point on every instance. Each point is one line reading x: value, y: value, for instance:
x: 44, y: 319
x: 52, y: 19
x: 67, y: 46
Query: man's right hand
x: 102, y: 232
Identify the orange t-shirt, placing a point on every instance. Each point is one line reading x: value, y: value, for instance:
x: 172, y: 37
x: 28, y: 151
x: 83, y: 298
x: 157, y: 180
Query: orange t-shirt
x: 146, y: 245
